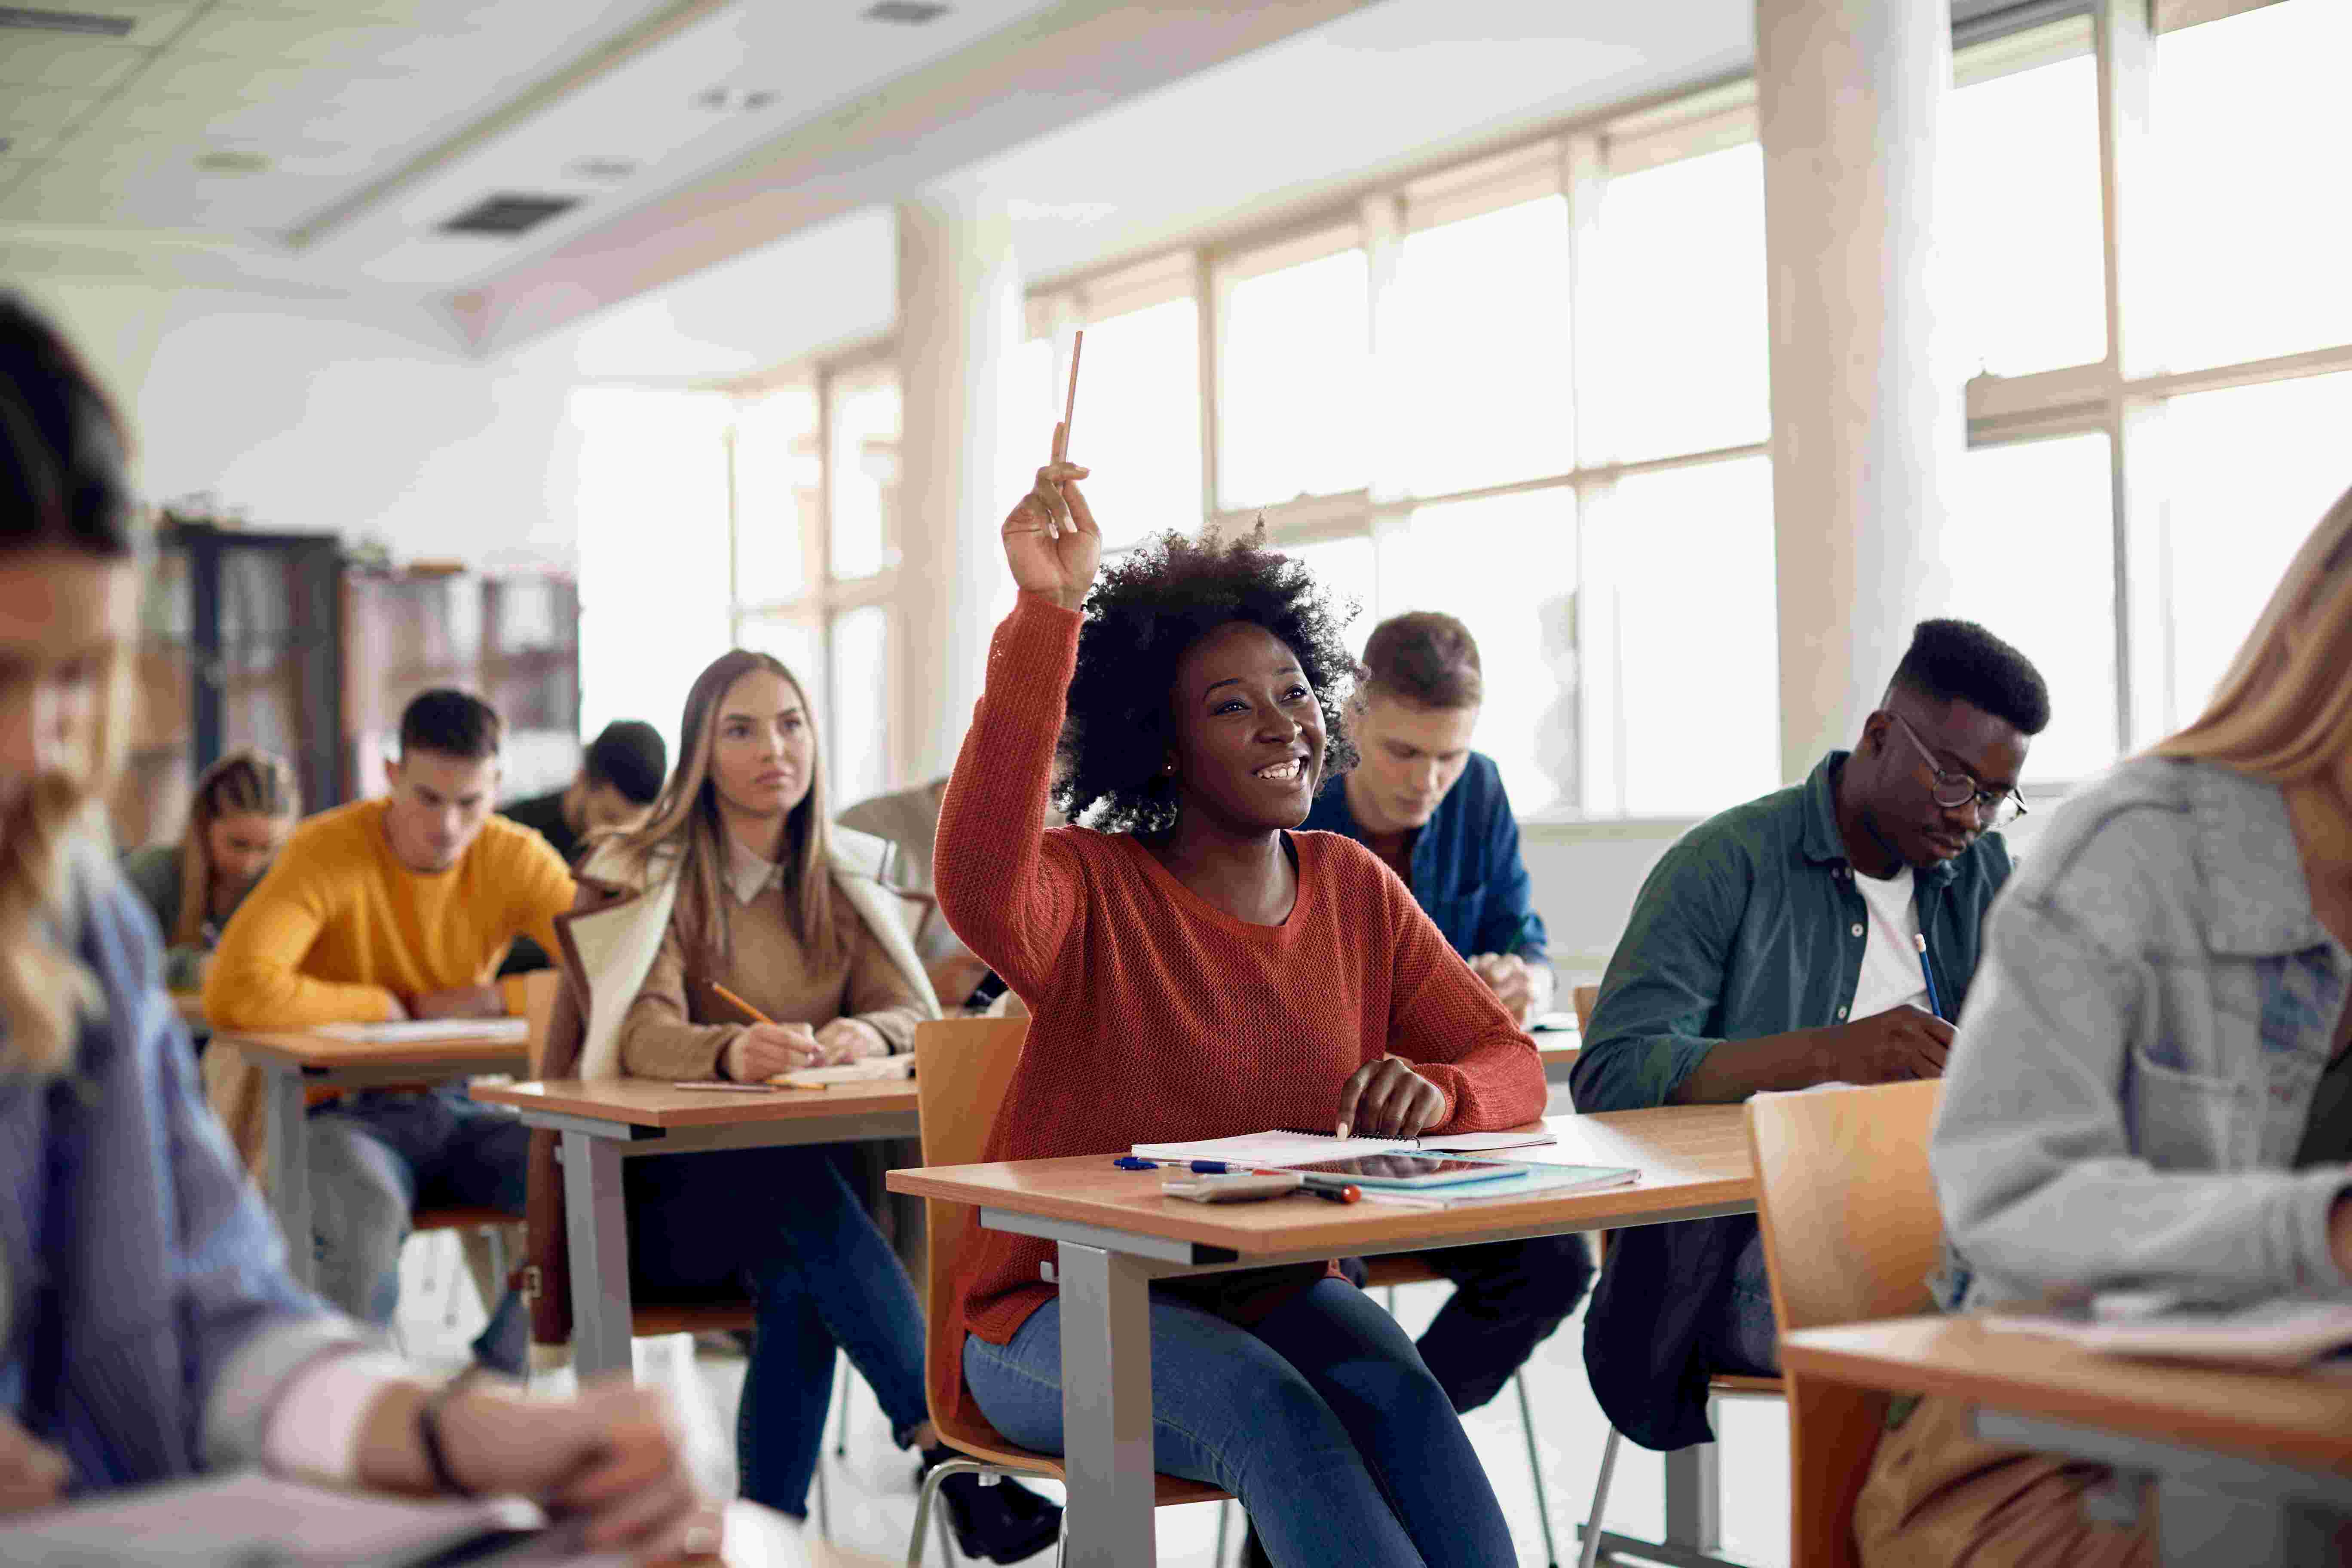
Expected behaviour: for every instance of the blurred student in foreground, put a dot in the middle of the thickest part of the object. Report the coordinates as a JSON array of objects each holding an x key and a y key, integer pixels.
[
  {"x": 243, "y": 811},
  {"x": 2151, "y": 1090},
  {"x": 151, "y": 1329}
]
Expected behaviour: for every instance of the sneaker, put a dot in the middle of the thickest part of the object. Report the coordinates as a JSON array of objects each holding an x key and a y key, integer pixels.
[{"x": 1005, "y": 1522}]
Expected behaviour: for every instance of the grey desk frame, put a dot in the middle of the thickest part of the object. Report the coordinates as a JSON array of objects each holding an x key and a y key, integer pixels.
[
  {"x": 596, "y": 1209},
  {"x": 1104, "y": 1275}
]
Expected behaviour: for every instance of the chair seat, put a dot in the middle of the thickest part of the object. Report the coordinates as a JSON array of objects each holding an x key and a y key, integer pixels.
[
  {"x": 1735, "y": 1384},
  {"x": 980, "y": 1441},
  {"x": 460, "y": 1218},
  {"x": 649, "y": 1320},
  {"x": 1398, "y": 1268}
]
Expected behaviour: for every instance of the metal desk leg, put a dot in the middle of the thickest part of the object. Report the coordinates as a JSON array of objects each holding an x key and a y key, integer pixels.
[
  {"x": 1106, "y": 1406},
  {"x": 596, "y": 1225},
  {"x": 1695, "y": 1498},
  {"x": 289, "y": 1169}
]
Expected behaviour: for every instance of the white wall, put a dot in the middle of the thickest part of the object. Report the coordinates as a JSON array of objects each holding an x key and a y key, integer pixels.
[{"x": 312, "y": 416}]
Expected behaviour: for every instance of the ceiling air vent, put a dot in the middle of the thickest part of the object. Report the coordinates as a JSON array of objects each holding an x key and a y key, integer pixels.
[
  {"x": 509, "y": 214},
  {"x": 906, "y": 13},
  {"x": 87, "y": 24}
]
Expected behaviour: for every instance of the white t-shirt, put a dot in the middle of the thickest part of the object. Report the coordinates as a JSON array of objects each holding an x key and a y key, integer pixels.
[{"x": 1891, "y": 975}]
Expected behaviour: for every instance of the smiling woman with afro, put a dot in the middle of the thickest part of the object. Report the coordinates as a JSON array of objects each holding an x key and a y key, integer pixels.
[
  {"x": 1147, "y": 608},
  {"x": 1196, "y": 967}
]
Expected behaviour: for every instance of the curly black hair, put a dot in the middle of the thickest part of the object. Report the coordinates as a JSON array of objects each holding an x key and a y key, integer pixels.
[
  {"x": 1146, "y": 609},
  {"x": 1950, "y": 659}
]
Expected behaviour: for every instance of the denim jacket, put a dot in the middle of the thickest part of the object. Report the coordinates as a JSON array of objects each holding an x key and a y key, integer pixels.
[
  {"x": 149, "y": 1324},
  {"x": 2136, "y": 1068}
]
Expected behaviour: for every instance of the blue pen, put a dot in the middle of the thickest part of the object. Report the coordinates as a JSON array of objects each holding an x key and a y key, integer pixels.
[
  {"x": 1934, "y": 1002},
  {"x": 1129, "y": 1162}
]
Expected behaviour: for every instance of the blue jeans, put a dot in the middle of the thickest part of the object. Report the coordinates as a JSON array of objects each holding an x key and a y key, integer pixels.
[
  {"x": 1746, "y": 1339},
  {"x": 1508, "y": 1298},
  {"x": 376, "y": 1156},
  {"x": 784, "y": 1224},
  {"x": 1322, "y": 1419}
]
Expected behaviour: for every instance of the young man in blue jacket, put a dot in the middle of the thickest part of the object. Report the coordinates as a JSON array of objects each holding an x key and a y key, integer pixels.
[
  {"x": 1433, "y": 809},
  {"x": 1780, "y": 945}
]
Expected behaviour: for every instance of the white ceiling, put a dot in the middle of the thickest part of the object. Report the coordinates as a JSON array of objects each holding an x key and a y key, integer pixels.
[{"x": 744, "y": 240}]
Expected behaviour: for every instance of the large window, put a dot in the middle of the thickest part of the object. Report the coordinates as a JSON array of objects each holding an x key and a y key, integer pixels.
[{"x": 1292, "y": 384}]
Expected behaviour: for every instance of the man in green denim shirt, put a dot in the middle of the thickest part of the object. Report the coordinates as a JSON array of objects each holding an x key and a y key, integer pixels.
[{"x": 1777, "y": 946}]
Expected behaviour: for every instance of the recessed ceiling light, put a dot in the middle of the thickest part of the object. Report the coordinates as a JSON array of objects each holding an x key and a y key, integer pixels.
[
  {"x": 609, "y": 171},
  {"x": 906, "y": 13},
  {"x": 734, "y": 99},
  {"x": 233, "y": 162},
  {"x": 86, "y": 22}
]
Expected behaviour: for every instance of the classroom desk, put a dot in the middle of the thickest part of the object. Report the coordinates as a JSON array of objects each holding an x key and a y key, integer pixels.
[
  {"x": 1116, "y": 1235},
  {"x": 607, "y": 1121},
  {"x": 2243, "y": 1460},
  {"x": 294, "y": 1063}
]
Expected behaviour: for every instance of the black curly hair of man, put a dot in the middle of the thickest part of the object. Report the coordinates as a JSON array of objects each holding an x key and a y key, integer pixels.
[{"x": 1147, "y": 608}]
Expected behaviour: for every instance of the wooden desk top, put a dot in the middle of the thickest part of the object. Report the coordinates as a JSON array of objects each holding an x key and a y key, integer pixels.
[
  {"x": 1556, "y": 1055},
  {"x": 2302, "y": 1419},
  {"x": 325, "y": 1053},
  {"x": 1690, "y": 1156},
  {"x": 645, "y": 1103}
]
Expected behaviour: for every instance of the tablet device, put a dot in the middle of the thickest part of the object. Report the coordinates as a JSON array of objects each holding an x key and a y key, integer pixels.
[{"x": 1409, "y": 1170}]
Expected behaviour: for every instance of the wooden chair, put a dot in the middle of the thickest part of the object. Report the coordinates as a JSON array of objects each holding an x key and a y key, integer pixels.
[
  {"x": 962, "y": 1066},
  {"x": 1850, "y": 1234},
  {"x": 1582, "y": 1001},
  {"x": 483, "y": 1233},
  {"x": 1405, "y": 1268}
]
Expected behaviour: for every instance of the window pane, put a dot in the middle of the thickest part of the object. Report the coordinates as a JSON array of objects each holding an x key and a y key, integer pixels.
[
  {"x": 865, "y": 477},
  {"x": 2022, "y": 234},
  {"x": 861, "y": 704},
  {"x": 1690, "y": 579},
  {"x": 1481, "y": 362},
  {"x": 1506, "y": 567},
  {"x": 1683, "y": 250},
  {"x": 2252, "y": 470},
  {"x": 2061, "y": 610},
  {"x": 1138, "y": 421},
  {"x": 650, "y": 461},
  {"x": 1290, "y": 391},
  {"x": 795, "y": 642},
  {"x": 778, "y": 471},
  {"x": 2249, "y": 169},
  {"x": 1348, "y": 569}
]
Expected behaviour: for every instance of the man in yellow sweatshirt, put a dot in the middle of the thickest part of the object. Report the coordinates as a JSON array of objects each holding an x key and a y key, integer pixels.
[{"x": 385, "y": 909}]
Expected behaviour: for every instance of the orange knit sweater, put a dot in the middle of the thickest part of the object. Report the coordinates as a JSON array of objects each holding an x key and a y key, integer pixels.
[{"x": 1158, "y": 1016}]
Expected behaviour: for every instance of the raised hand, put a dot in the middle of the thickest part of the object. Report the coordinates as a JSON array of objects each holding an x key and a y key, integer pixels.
[{"x": 1050, "y": 538}]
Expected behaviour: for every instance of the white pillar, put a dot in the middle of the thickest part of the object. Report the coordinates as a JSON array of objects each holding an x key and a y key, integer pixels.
[
  {"x": 1867, "y": 424},
  {"x": 959, "y": 329}
]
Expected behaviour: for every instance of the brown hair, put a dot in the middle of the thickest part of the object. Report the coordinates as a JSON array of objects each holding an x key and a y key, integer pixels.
[
  {"x": 245, "y": 781},
  {"x": 2283, "y": 710},
  {"x": 685, "y": 823},
  {"x": 1427, "y": 657},
  {"x": 62, "y": 486}
]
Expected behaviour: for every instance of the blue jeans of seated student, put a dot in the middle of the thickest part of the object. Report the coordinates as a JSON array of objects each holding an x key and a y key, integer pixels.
[
  {"x": 786, "y": 1224},
  {"x": 378, "y": 1155},
  {"x": 1746, "y": 1339},
  {"x": 1322, "y": 1419}
]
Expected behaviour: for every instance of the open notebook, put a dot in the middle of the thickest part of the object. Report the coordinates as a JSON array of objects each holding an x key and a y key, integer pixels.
[
  {"x": 2271, "y": 1335},
  {"x": 1282, "y": 1146},
  {"x": 426, "y": 1030}
]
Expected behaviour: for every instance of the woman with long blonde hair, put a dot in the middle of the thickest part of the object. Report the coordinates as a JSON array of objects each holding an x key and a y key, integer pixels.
[
  {"x": 736, "y": 936},
  {"x": 147, "y": 1322},
  {"x": 2151, "y": 1088},
  {"x": 244, "y": 808}
]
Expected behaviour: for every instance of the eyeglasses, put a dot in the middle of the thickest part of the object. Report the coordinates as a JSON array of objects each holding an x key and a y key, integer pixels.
[{"x": 1994, "y": 808}]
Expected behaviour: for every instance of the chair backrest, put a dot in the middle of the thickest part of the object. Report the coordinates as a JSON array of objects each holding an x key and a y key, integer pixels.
[
  {"x": 962, "y": 1066},
  {"x": 1582, "y": 1000},
  {"x": 1851, "y": 1232},
  {"x": 539, "y": 989}
]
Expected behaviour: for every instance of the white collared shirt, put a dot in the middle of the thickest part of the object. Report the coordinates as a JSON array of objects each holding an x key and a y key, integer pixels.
[{"x": 749, "y": 873}]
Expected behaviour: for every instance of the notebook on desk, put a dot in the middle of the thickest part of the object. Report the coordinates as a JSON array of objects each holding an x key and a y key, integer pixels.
[{"x": 1286, "y": 1146}]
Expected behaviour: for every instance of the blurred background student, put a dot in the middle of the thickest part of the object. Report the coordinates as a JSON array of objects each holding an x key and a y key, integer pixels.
[
  {"x": 150, "y": 1329},
  {"x": 245, "y": 806}
]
